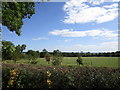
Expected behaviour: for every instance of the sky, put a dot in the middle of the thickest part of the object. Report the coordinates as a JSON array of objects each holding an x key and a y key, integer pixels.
[{"x": 72, "y": 26}]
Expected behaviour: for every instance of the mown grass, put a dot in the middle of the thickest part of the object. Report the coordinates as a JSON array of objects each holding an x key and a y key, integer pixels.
[
  {"x": 93, "y": 61},
  {"x": 87, "y": 61}
]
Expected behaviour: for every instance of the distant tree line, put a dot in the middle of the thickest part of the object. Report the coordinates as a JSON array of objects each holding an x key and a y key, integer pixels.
[
  {"x": 89, "y": 54},
  {"x": 12, "y": 52},
  {"x": 84, "y": 54}
]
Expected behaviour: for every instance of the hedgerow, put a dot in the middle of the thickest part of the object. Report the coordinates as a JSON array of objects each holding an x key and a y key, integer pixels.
[{"x": 61, "y": 77}]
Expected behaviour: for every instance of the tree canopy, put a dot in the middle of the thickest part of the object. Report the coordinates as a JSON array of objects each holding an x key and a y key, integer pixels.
[
  {"x": 32, "y": 54},
  {"x": 13, "y": 14},
  {"x": 7, "y": 49},
  {"x": 10, "y": 51}
]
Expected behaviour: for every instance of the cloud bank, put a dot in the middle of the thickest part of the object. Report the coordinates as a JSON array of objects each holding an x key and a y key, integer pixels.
[
  {"x": 109, "y": 34},
  {"x": 77, "y": 11}
]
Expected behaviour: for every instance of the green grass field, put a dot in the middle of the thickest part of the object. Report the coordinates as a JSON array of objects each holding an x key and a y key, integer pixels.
[
  {"x": 87, "y": 61},
  {"x": 93, "y": 61}
]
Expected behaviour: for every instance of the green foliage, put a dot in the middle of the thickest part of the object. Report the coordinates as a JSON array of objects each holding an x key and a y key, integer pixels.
[
  {"x": 32, "y": 54},
  {"x": 79, "y": 60},
  {"x": 18, "y": 48},
  {"x": 22, "y": 47},
  {"x": 47, "y": 57},
  {"x": 7, "y": 50},
  {"x": 13, "y": 14},
  {"x": 18, "y": 53},
  {"x": 5, "y": 76},
  {"x": 57, "y": 58},
  {"x": 62, "y": 77},
  {"x": 43, "y": 53},
  {"x": 15, "y": 56},
  {"x": 10, "y": 52}
]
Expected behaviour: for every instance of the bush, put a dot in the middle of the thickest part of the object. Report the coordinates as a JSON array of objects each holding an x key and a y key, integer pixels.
[
  {"x": 64, "y": 77},
  {"x": 79, "y": 61},
  {"x": 47, "y": 57},
  {"x": 57, "y": 60}
]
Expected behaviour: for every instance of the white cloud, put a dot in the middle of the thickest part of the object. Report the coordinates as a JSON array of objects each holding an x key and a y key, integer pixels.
[
  {"x": 109, "y": 34},
  {"x": 68, "y": 40},
  {"x": 116, "y": 0},
  {"x": 111, "y": 6},
  {"x": 40, "y": 38},
  {"x": 79, "y": 12},
  {"x": 95, "y": 2},
  {"x": 103, "y": 47}
]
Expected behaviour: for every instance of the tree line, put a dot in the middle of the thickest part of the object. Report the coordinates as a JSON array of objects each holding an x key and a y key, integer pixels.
[
  {"x": 12, "y": 52},
  {"x": 84, "y": 54}
]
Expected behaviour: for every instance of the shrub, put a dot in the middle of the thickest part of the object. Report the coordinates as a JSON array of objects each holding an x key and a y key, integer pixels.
[
  {"x": 64, "y": 77},
  {"x": 79, "y": 61},
  {"x": 47, "y": 57},
  {"x": 57, "y": 60}
]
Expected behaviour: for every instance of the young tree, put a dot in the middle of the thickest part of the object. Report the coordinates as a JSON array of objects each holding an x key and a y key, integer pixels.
[
  {"x": 48, "y": 57},
  {"x": 43, "y": 53},
  {"x": 57, "y": 58},
  {"x": 23, "y": 47},
  {"x": 18, "y": 48},
  {"x": 79, "y": 60},
  {"x": 32, "y": 56}
]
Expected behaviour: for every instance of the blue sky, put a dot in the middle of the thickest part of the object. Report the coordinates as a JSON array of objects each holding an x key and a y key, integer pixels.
[{"x": 70, "y": 26}]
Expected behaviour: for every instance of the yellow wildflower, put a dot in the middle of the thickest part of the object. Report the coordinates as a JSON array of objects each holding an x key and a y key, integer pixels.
[
  {"x": 11, "y": 82},
  {"x": 48, "y": 74},
  {"x": 49, "y": 82},
  {"x": 13, "y": 77}
]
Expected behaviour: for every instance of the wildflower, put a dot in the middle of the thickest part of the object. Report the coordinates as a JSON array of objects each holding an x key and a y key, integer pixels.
[
  {"x": 48, "y": 74},
  {"x": 13, "y": 77},
  {"x": 49, "y": 82},
  {"x": 11, "y": 82}
]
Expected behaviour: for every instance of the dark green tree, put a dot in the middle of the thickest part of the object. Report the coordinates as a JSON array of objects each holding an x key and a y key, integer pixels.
[
  {"x": 15, "y": 56},
  {"x": 13, "y": 14},
  {"x": 43, "y": 53},
  {"x": 79, "y": 60},
  {"x": 18, "y": 48},
  {"x": 23, "y": 47},
  {"x": 7, "y": 50},
  {"x": 57, "y": 58},
  {"x": 19, "y": 51},
  {"x": 32, "y": 54},
  {"x": 48, "y": 57}
]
